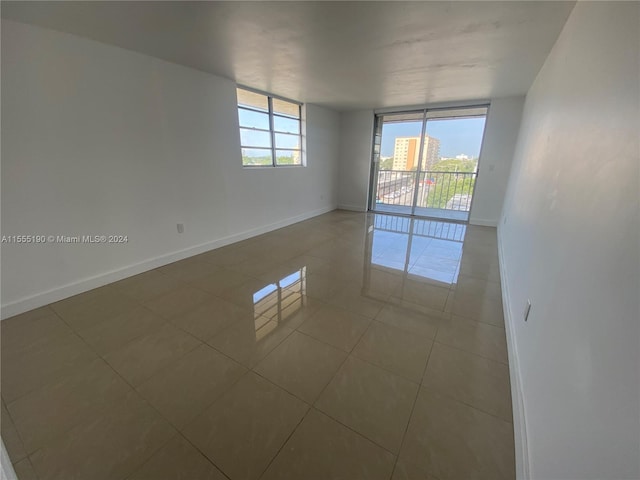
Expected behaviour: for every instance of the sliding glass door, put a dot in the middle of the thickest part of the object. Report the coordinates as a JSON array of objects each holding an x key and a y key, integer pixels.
[
  {"x": 425, "y": 162},
  {"x": 396, "y": 176}
]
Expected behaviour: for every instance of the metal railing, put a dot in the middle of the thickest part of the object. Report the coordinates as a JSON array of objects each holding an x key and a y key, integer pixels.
[
  {"x": 441, "y": 190},
  {"x": 420, "y": 227}
]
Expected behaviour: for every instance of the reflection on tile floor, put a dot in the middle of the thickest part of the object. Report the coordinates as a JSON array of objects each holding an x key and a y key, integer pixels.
[{"x": 365, "y": 346}]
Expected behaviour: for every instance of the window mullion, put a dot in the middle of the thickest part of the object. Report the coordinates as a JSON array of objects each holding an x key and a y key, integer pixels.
[
  {"x": 273, "y": 135},
  {"x": 252, "y": 128}
]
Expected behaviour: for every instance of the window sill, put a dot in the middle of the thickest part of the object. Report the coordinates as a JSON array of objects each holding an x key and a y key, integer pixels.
[{"x": 271, "y": 167}]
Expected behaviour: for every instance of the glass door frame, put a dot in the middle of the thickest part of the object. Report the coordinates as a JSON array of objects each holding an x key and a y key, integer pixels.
[{"x": 377, "y": 143}]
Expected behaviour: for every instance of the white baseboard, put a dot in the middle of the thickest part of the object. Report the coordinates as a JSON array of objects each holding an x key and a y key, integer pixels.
[
  {"x": 44, "y": 298},
  {"x": 483, "y": 223},
  {"x": 352, "y": 208},
  {"x": 517, "y": 398}
]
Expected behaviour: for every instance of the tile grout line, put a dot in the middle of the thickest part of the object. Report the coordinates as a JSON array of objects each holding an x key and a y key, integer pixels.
[
  {"x": 73, "y": 332},
  {"x": 286, "y": 440},
  {"x": 352, "y": 430},
  {"x": 465, "y": 317},
  {"x": 13, "y": 424},
  {"x": 457, "y": 399},
  {"x": 415, "y": 401},
  {"x": 180, "y": 432},
  {"x": 6, "y": 404},
  {"x": 133, "y": 390},
  {"x": 160, "y": 415},
  {"x": 439, "y": 392},
  {"x": 251, "y": 369},
  {"x": 312, "y": 405},
  {"x": 472, "y": 353}
]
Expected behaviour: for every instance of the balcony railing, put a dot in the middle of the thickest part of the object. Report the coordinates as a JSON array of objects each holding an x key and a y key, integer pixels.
[{"x": 440, "y": 190}]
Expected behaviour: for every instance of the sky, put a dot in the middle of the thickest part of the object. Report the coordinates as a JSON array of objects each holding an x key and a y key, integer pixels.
[{"x": 459, "y": 136}]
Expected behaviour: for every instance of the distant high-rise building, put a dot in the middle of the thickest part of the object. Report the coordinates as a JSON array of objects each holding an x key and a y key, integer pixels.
[{"x": 407, "y": 150}]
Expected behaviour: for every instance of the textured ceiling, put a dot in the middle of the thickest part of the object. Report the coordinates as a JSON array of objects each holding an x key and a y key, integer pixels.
[{"x": 344, "y": 55}]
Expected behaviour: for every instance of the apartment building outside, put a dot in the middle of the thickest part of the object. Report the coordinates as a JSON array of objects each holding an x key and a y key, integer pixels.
[{"x": 406, "y": 152}]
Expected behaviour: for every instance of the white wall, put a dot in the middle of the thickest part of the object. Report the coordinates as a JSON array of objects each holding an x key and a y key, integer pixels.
[
  {"x": 356, "y": 142},
  {"x": 101, "y": 140},
  {"x": 571, "y": 244},
  {"x": 500, "y": 135}
]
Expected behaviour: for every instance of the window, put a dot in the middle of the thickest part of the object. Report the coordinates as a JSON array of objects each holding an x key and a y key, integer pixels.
[{"x": 270, "y": 130}]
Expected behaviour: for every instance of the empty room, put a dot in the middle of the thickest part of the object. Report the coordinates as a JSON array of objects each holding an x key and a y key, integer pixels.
[{"x": 375, "y": 240}]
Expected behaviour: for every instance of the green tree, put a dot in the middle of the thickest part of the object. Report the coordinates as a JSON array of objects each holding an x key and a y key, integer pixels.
[
  {"x": 284, "y": 161},
  {"x": 386, "y": 164},
  {"x": 441, "y": 187},
  {"x": 447, "y": 178},
  {"x": 266, "y": 160},
  {"x": 454, "y": 165}
]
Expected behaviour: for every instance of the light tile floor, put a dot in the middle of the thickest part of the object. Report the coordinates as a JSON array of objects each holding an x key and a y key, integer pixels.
[{"x": 349, "y": 346}]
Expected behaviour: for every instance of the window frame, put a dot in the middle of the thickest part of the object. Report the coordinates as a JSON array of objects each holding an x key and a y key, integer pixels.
[{"x": 272, "y": 131}]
